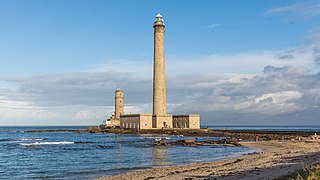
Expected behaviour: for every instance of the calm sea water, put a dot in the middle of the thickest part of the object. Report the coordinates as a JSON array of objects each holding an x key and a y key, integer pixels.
[{"x": 25, "y": 155}]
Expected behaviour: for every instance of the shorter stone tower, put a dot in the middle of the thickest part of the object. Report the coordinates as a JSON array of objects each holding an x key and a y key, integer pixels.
[{"x": 119, "y": 103}]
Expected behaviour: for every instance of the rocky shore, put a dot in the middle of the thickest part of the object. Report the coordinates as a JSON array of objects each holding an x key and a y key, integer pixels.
[
  {"x": 193, "y": 143},
  {"x": 234, "y": 134}
]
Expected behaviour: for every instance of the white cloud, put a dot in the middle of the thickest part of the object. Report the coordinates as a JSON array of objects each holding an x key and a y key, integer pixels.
[
  {"x": 67, "y": 115},
  {"x": 279, "y": 97},
  {"x": 305, "y": 10},
  {"x": 244, "y": 63},
  {"x": 284, "y": 91},
  {"x": 85, "y": 114},
  {"x": 210, "y": 26},
  {"x": 277, "y": 103}
]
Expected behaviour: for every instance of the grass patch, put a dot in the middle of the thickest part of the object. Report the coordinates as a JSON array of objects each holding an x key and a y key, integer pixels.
[{"x": 307, "y": 173}]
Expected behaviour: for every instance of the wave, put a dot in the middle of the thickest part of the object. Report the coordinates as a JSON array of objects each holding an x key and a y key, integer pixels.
[
  {"x": 46, "y": 143},
  {"x": 21, "y": 139},
  {"x": 2, "y": 140},
  {"x": 19, "y": 131},
  {"x": 84, "y": 142}
]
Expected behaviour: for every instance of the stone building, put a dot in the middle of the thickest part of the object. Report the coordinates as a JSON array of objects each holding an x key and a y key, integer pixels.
[
  {"x": 159, "y": 119},
  {"x": 191, "y": 121},
  {"x": 136, "y": 121}
]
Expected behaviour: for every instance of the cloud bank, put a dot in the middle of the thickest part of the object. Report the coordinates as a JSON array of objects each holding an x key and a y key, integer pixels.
[{"x": 272, "y": 84}]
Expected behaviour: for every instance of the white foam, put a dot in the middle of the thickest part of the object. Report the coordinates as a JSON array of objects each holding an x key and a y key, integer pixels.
[
  {"x": 18, "y": 131},
  {"x": 46, "y": 143}
]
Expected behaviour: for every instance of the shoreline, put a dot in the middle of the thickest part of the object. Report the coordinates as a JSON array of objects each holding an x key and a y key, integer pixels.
[
  {"x": 238, "y": 134},
  {"x": 277, "y": 159},
  {"x": 283, "y": 152}
]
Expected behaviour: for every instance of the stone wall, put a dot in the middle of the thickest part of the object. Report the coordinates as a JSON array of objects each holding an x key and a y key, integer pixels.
[
  {"x": 162, "y": 121},
  {"x": 194, "y": 121},
  {"x": 180, "y": 121},
  {"x": 191, "y": 121},
  {"x": 136, "y": 121},
  {"x": 148, "y": 121},
  {"x": 130, "y": 121},
  {"x": 145, "y": 121}
]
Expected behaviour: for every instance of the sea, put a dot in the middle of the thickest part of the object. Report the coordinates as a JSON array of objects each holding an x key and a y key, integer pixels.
[{"x": 67, "y": 155}]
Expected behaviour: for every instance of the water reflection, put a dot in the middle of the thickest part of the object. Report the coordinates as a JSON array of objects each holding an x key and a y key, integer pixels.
[{"x": 159, "y": 157}]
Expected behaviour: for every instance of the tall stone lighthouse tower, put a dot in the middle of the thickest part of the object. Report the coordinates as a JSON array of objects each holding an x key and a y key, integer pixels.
[
  {"x": 159, "y": 119},
  {"x": 159, "y": 71}
]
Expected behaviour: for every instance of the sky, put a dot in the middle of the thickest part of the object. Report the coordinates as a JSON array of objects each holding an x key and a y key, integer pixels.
[{"x": 234, "y": 62}]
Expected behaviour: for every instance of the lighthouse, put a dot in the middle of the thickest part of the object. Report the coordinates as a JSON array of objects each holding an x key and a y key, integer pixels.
[
  {"x": 159, "y": 69},
  {"x": 159, "y": 119}
]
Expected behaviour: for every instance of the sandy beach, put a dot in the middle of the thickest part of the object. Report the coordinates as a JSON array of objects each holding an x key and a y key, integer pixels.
[{"x": 276, "y": 159}]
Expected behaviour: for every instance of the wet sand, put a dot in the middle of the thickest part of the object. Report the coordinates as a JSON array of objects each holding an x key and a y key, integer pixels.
[{"x": 278, "y": 158}]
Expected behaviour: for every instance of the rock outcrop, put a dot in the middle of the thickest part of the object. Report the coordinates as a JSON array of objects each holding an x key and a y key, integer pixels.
[{"x": 194, "y": 143}]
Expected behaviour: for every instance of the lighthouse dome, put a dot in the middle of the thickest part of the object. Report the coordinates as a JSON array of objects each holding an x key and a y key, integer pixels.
[
  {"x": 159, "y": 19},
  {"x": 158, "y": 15}
]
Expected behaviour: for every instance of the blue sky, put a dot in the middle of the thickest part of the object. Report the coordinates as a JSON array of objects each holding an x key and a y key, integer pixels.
[{"x": 60, "y": 60}]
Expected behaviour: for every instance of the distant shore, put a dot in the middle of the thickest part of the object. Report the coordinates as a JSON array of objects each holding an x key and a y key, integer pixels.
[
  {"x": 237, "y": 134},
  {"x": 279, "y": 158}
]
